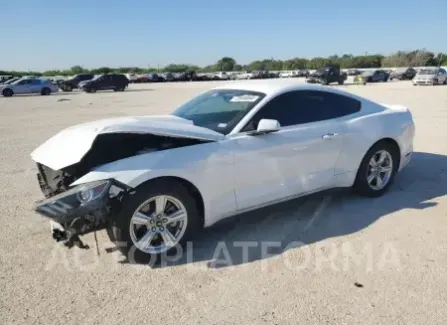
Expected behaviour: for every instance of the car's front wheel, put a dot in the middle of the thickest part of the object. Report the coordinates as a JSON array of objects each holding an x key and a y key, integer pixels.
[
  {"x": 7, "y": 92},
  {"x": 159, "y": 218},
  {"x": 377, "y": 170}
]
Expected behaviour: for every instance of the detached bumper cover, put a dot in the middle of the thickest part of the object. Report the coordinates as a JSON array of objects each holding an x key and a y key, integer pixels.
[{"x": 84, "y": 201}]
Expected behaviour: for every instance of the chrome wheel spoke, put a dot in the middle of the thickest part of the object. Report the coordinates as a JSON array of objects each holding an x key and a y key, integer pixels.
[
  {"x": 141, "y": 219},
  {"x": 382, "y": 156},
  {"x": 175, "y": 217},
  {"x": 380, "y": 170},
  {"x": 160, "y": 204},
  {"x": 379, "y": 182},
  {"x": 145, "y": 242},
  {"x": 168, "y": 238}
]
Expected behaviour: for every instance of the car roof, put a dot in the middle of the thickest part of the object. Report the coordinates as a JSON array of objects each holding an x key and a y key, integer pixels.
[{"x": 272, "y": 88}]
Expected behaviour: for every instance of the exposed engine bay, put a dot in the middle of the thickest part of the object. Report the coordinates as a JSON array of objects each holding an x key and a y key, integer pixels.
[
  {"x": 106, "y": 148},
  {"x": 81, "y": 209}
]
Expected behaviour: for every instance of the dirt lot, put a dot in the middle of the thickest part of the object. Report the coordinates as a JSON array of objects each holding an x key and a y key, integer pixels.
[{"x": 361, "y": 261}]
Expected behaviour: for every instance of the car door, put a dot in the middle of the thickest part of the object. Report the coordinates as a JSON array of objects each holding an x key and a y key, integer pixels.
[
  {"x": 300, "y": 158},
  {"x": 35, "y": 86},
  {"x": 23, "y": 87}
]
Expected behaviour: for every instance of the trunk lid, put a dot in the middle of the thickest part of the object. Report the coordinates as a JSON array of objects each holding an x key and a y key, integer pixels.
[{"x": 69, "y": 146}]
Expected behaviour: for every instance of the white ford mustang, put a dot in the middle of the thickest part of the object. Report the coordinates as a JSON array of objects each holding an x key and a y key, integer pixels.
[{"x": 154, "y": 181}]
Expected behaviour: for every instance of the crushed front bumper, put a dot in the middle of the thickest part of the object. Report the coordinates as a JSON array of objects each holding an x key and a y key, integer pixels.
[{"x": 82, "y": 209}]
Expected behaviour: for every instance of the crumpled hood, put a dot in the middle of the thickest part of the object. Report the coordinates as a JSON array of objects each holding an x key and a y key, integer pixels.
[{"x": 69, "y": 146}]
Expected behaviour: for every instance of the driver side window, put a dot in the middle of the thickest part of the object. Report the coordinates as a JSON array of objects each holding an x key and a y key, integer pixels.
[{"x": 304, "y": 106}]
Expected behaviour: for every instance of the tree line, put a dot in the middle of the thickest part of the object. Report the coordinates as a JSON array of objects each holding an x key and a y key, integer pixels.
[{"x": 414, "y": 58}]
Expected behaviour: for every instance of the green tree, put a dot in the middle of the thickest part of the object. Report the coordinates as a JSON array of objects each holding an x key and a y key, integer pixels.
[{"x": 226, "y": 64}]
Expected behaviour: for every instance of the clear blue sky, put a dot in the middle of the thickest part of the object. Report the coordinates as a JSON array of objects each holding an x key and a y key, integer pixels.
[{"x": 46, "y": 34}]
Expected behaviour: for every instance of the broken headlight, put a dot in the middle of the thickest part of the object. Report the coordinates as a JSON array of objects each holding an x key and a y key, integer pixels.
[{"x": 78, "y": 201}]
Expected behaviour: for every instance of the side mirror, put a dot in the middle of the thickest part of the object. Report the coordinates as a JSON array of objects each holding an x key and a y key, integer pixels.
[{"x": 266, "y": 126}]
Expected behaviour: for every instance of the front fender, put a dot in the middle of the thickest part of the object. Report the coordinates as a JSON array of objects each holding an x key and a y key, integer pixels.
[{"x": 209, "y": 167}]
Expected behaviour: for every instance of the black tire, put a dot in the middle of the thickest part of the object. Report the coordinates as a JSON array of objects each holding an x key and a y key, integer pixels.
[
  {"x": 68, "y": 88},
  {"x": 45, "y": 91},
  {"x": 361, "y": 185},
  {"x": 341, "y": 82},
  {"x": 119, "y": 231},
  {"x": 7, "y": 92}
]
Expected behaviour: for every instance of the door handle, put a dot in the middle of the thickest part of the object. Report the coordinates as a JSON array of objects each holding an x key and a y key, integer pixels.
[{"x": 329, "y": 136}]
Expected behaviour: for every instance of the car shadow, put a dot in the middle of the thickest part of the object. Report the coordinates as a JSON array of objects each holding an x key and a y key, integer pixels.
[
  {"x": 274, "y": 230},
  {"x": 138, "y": 89}
]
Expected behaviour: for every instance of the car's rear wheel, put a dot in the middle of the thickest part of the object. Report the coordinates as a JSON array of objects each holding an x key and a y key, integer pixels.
[
  {"x": 377, "y": 170},
  {"x": 158, "y": 219},
  {"x": 68, "y": 88},
  {"x": 7, "y": 92},
  {"x": 45, "y": 91}
]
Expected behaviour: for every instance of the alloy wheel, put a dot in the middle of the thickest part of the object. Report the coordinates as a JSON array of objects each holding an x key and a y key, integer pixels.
[
  {"x": 380, "y": 169},
  {"x": 158, "y": 224}
]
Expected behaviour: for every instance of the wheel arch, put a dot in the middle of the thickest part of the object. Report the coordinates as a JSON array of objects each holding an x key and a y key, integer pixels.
[
  {"x": 192, "y": 189},
  {"x": 390, "y": 141}
]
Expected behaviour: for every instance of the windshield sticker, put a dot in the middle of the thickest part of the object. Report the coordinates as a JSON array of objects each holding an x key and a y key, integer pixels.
[
  {"x": 222, "y": 125},
  {"x": 244, "y": 98}
]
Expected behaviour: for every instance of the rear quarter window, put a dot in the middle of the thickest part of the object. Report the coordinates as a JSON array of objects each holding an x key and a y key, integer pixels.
[{"x": 342, "y": 105}]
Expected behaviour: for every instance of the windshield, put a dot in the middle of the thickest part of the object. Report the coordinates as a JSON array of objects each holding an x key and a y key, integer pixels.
[
  {"x": 428, "y": 71},
  {"x": 219, "y": 110},
  {"x": 96, "y": 77}
]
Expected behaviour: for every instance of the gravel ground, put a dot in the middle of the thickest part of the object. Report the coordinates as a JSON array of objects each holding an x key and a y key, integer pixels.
[{"x": 360, "y": 261}]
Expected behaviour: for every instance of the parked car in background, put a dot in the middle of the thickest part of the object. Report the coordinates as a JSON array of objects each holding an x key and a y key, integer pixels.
[
  {"x": 353, "y": 72},
  {"x": 4, "y": 78},
  {"x": 168, "y": 76},
  {"x": 112, "y": 81},
  {"x": 430, "y": 76},
  {"x": 303, "y": 73},
  {"x": 285, "y": 74},
  {"x": 327, "y": 75},
  {"x": 73, "y": 82},
  {"x": 371, "y": 76},
  {"x": 28, "y": 86},
  {"x": 132, "y": 77},
  {"x": 243, "y": 75},
  {"x": 9, "y": 81},
  {"x": 154, "y": 77},
  {"x": 403, "y": 74}
]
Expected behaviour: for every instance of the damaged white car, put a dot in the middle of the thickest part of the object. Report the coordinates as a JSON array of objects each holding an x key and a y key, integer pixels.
[{"x": 154, "y": 181}]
